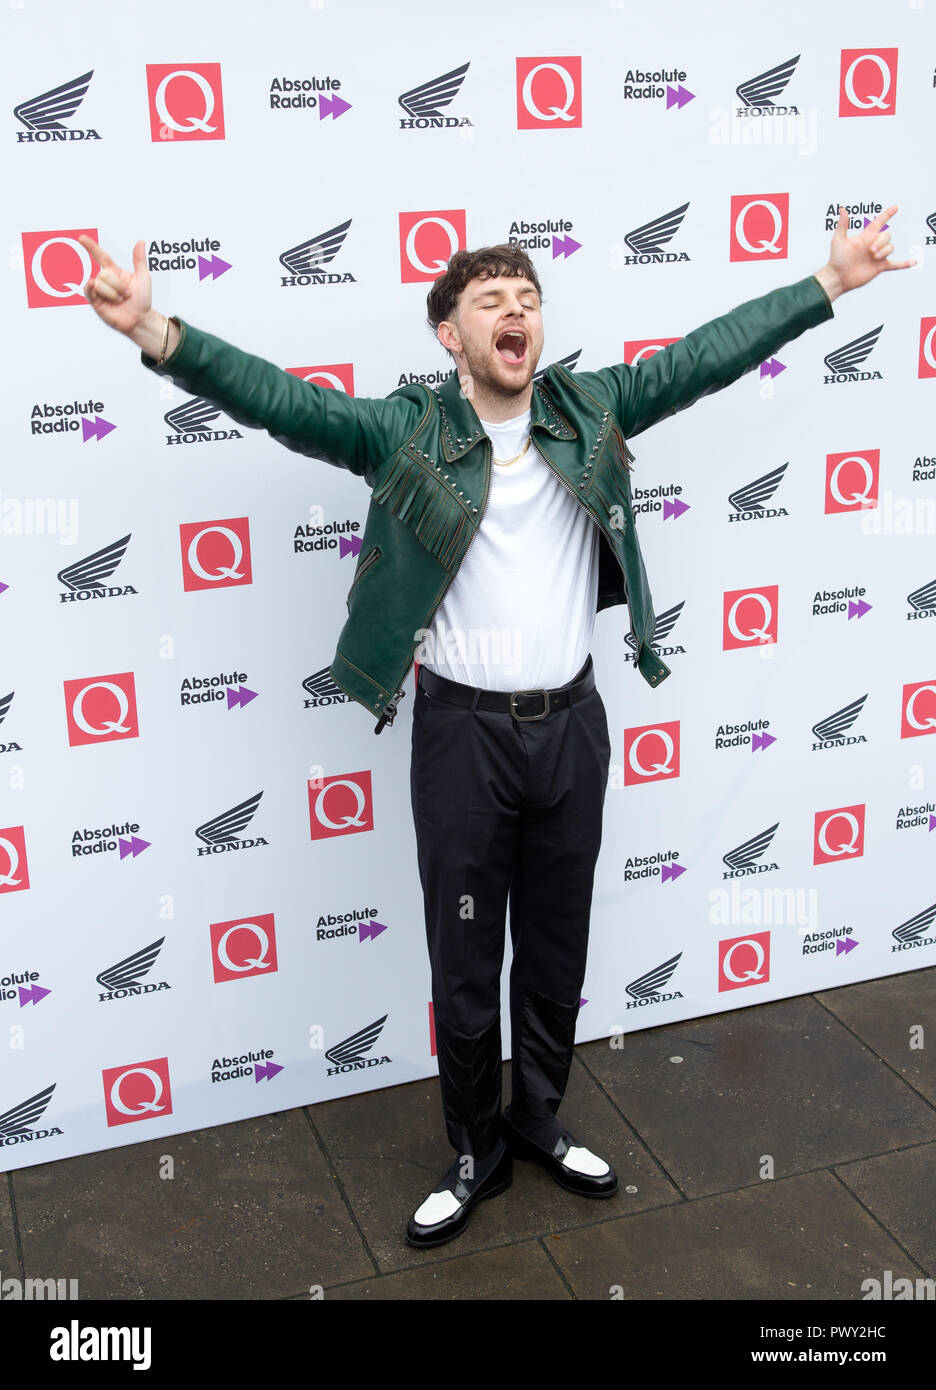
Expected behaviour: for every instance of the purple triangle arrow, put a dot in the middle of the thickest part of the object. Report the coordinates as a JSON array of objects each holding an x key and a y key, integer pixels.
[
  {"x": 133, "y": 846},
  {"x": 759, "y": 741},
  {"x": 844, "y": 945},
  {"x": 95, "y": 429},
  {"x": 859, "y": 609},
  {"x": 565, "y": 246},
  {"x": 334, "y": 106},
  {"x": 582, "y": 1001},
  {"x": 263, "y": 1071},
  {"x": 883, "y": 227},
  {"x": 678, "y": 96},
  {"x": 239, "y": 695},
  {"x": 932, "y": 824},
  {"x": 671, "y": 871},
  {"x": 674, "y": 508},
  {"x": 32, "y": 994},
  {"x": 772, "y": 367},
  {"x": 213, "y": 267},
  {"x": 348, "y": 547},
  {"x": 3, "y": 586},
  {"x": 370, "y": 929}
]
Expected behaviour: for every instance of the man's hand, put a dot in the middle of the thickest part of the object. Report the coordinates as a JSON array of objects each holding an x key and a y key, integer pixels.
[
  {"x": 124, "y": 300},
  {"x": 854, "y": 260}
]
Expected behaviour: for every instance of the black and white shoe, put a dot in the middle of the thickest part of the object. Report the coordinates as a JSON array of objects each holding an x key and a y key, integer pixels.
[
  {"x": 444, "y": 1214},
  {"x": 572, "y": 1165}
]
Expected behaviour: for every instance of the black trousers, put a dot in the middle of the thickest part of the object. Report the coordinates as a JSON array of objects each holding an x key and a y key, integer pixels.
[{"x": 502, "y": 808}]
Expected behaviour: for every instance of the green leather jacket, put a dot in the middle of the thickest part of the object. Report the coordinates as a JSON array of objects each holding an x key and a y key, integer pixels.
[{"x": 427, "y": 460}]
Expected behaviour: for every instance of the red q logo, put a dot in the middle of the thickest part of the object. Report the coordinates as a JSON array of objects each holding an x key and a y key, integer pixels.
[
  {"x": 918, "y": 709},
  {"x": 651, "y": 753},
  {"x": 759, "y": 226},
  {"x": 56, "y": 266},
  {"x": 185, "y": 101},
  {"x": 549, "y": 93},
  {"x": 838, "y": 834},
  {"x": 243, "y": 947},
  {"x": 137, "y": 1092},
  {"x": 341, "y": 805},
  {"x": 14, "y": 871},
  {"x": 743, "y": 961},
  {"x": 868, "y": 84},
  {"x": 852, "y": 481},
  {"x": 428, "y": 241},
  {"x": 750, "y": 617},
  {"x": 101, "y": 709},
  {"x": 637, "y": 349},
  {"x": 927, "y": 347},
  {"x": 339, "y": 376},
  {"x": 215, "y": 554}
]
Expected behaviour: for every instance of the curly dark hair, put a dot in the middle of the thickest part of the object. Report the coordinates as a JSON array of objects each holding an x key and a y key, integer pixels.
[{"x": 484, "y": 264}]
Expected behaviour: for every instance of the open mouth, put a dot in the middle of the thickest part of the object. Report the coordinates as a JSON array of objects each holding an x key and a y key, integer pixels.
[{"x": 511, "y": 346}]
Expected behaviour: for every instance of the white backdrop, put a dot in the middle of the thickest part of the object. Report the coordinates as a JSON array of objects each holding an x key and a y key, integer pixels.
[{"x": 156, "y": 1041}]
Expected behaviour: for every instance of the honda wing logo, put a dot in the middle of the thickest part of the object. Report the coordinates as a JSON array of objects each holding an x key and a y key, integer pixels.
[
  {"x": 192, "y": 417},
  {"x": 130, "y": 971},
  {"x": 653, "y": 983},
  {"x": 652, "y": 237},
  {"x": 761, "y": 90},
  {"x": 90, "y": 572},
  {"x": 665, "y": 622},
  {"x": 845, "y": 361},
  {"x": 742, "y": 860},
  {"x": 5, "y": 702},
  {"x": 922, "y": 599},
  {"x": 570, "y": 362},
  {"x": 425, "y": 101},
  {"x": 351, "y": 1054},
  {"x": 835, "y": 726},
  {"x": 319, "y": 250},
  {"x": 21, "y": 1118},
  {"x": 222, "y": 832},
  {"x": 50, "y": 109},
  {"x": 913, "y": 929},
  {"x": 752, "y": 496}
]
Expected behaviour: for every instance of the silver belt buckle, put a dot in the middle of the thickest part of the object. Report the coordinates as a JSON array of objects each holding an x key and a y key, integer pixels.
[{"x": 527, "y": 717}]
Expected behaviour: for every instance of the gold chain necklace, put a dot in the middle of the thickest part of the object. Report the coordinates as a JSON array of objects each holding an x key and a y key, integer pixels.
[{"x": 516, "y": 458}]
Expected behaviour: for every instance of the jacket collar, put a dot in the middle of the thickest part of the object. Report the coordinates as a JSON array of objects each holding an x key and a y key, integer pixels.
[{"x": 462, "y": 430}]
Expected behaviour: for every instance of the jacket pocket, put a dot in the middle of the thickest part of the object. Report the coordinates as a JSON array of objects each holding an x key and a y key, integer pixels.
[{"x": 372, "y": 556}]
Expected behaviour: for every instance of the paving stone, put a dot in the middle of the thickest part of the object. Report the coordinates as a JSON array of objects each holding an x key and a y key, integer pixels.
[
  {"x": 898, "y": 1189},
  {"x": 886, "y": 1014},
  {"x": 252, "y": 1212},
  {"x": 782, "y": 1079},
  {"x": 800, "y": 1238},
  {"x": 518, "y": 1272},
  {"x": 389, "y": 1155},
  {"x": 9, "y": 1265}
]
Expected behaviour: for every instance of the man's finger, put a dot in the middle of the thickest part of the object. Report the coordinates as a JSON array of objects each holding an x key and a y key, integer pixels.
[
  {"x": 898, "y": 265},
  {"x": 881, "y": 218},
  {"x": 98, "y": 252},
  {"x": 841, "y": 226},
  {"x": 139, "y": 257},
  {"x": 106, "y": 291}
]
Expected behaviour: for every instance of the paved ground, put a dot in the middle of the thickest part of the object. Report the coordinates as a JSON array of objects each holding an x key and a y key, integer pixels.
[{"x": 827, "y": 1086}]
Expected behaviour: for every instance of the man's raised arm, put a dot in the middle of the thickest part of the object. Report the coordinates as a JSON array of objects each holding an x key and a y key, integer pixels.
[
  {"x": 713, "y": 356},
  {"x": 353, "y": 433}
]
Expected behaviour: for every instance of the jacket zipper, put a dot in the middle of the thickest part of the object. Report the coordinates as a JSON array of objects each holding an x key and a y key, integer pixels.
[
  {"x": 365, "y": 564},
  {"x": 392, "y": 704}
]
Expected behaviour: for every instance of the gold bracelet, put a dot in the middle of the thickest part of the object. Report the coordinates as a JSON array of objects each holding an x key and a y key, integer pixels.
[{"x": 165, "y": 343}]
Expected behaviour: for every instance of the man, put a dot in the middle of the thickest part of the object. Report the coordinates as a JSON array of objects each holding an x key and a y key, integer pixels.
[{"x": 478, "y": 529}]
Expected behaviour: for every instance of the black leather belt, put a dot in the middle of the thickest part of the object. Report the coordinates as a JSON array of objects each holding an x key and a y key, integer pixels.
[{"x": 522, "y": 704}]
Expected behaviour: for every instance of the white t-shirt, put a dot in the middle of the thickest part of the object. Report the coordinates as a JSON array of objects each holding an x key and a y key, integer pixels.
[{"x": 520, "y": 612}]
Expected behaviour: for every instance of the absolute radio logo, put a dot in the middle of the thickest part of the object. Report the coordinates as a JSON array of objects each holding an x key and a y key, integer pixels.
[
  {"x": 322, "y": 689},
  {"x": 358, "y": 922},
  {"x": 921, "y": 817},
  {"x": 650, "y": 988},
  {"x": 750, "y": 616},
  {"x": 637, "y": 350},
  {"x": 661, "y": 864},
  {"x": 305, "y": 262},
  {"x": 185, "y": 101},
  {"x": 663, "y": 626},
  {"x": 425, "y": 105},
  {"x": 298, "y": 94},
  {"x": 68, "y": 417},
  {"x": 760, "y": 226},
  {"x": 834, "y": 731},
  {"x": 924, "y": 468},
  {"x": 651, "y": 753},
  {"x": 108, "y": 839},
  {"x": 101, "y": 709},
  {"x": 748, "y": 502},
  {"x": 191, "y": 253},
  {"x": 257, "y": 1062},
  {"x": 140, "y": 1091},
  {"x": 226, "y": 687},
  {"x": 845, "y": 362},
  {"x": 351, "y": 1053},
  {"x": 125, "y": 979},
  {"x": 44, "y": 116},
  {"x": 222, "y": 832},
  {"x": 85, "y": 579},
  {"x": 14, "y": 870},
  {"x": 340, "y": 805},
  {"x": 549, "y": 93},
  {"x": 56, "y": 266},
  {"x": 243, "y": 947},
  {"x": 215, "y": 554},
  {"x": 191, "y": 423},
  {"x": 918, "y": 709},
  {"x": 649, "y": 243},
  {"x": 21, "y": 987},
  {"x": 663, "y": 497},
  {"x": 916, "y": 931},
  {"x": 751, "y": 733},
  {"x": 549, "y": 235},
  {"x": 428, "y": 241},
  {"x": 922, "y": 603},
  {"x": 18, "y": 1124},
  {"x": 7, "y": 744},
  {"x": 744, "y": 859},
  {"x": 655, "y": 84},
  {"x": 849, "y": 600},
  {"x": 331, "y": 535},
  {"x": 868, "y": 82},
  {"x": 758, "y": 94},
  {"x": 744, "y": 961},
  {"x": 838, "y": 834}
]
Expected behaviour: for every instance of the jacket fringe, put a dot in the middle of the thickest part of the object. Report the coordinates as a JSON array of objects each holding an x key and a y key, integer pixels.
[{"x": 414, "y": 494}]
